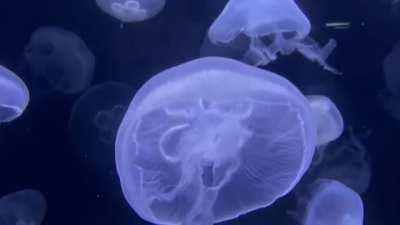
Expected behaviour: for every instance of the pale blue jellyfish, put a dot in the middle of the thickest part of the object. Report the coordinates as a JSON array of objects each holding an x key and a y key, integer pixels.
[
  {"x": 26, "y": 207},
  {"x": 212, "y": 139},
  {"x": 131, "y": 10},
  {"x": 328, "y": 118},
  {"x": 333, "y": 203},
  {"x": 262, "y": 29},
  {"x": 14, "y": 95},
  {"x": 61, "y": 59}
]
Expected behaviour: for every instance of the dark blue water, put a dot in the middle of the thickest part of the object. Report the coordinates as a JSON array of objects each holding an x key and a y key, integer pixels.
[{"x": 36, "y": 151}]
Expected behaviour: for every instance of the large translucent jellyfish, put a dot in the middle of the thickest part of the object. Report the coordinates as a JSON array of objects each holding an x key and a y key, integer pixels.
[
  {"x": 26, "y": 207},
  {"x": 212, "y": 139},
  {"x": 328, "y": 118},
  {"x": 93, "y": 125},
  {"x": 332, "y": 203},
  {"x": 61, "y": 59},
  {"x": 131, "y": 10},
  {"x": 262, "y": 29},
  {"x": 14, "y": 95}
]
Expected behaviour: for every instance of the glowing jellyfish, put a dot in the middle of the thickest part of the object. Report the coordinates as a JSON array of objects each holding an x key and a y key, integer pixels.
[
  {"x": 328, "y": 118},
  {"x": 94, "y": 121},
  {"x": 61, "y": 59},
  {"x": 131, "y": 10},
  {"x": 262, "y": 29},
  {"x": 333, "y": 203},
  {"x": 26, "y": 207},
  {"x": 14, "y": 95},
  {"x": 197, "y": 136}
]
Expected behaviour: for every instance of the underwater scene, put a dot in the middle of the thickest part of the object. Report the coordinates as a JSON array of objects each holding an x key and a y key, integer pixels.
[{"x": 200, "y": 112}]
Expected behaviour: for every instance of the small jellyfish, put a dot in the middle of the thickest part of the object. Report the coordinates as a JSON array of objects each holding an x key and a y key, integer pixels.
[
  {"x": 14, "y": 95},
  {"x": 259, "y": 30},
  {"x": 191, "y": 152},
  {"x": 332, "y": 203},
  {"x": 94, "y": 121},
  {"x": 346, "y": 160},
  {"x": 328, "y": 118},
  {"x": 131, "y": 10},
  {"x": 60, "y": 59},
  {"x": 26, "y": 207}
]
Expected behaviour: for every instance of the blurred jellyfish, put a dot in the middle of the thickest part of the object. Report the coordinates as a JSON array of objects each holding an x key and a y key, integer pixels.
[
  {"x": 390, "y": 96},
  {"x": 347, "y": 161},
  {"x": 94, "y": 121},
  {"x": 330, "y": 202},
  {"x": 14, "y": 95},
  {"x": 187, "y": 150},
  {"x": 26, "y": 207},
  {"x": 131, "y": 10},
  {"x": 260, "y": 30},
  {"x": 60, "y": 59},
  {"x": 328, "y": 118}
]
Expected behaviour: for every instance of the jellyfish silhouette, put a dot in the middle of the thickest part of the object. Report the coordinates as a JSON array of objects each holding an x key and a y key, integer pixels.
[
  {"x": 26, "y": 207},
  {"x": 332, "y": 203},
  {"x": 328, "y": 117},
  {"x": 131, "y": 10},
  {"x": 60, "y": 59},
  {"x": 197, "y": 136},
  {"x": 94, "y": 122},
  {"x": 14, "y": 95},
  {"x": 390, "y": 95},
  {"x": 259, "y": 30}
]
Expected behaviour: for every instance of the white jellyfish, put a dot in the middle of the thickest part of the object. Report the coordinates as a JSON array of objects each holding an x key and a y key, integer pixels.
[
  {"x": 212, "y": 139},
  {"x": 14, "y": 95},
  {"x": 131, "y": 10},
  {"x": 261, "y": 29},
  {"x": 328, "y": 118},
  {"x": 26, "y": 207},
  {"x": 330, "y": 202},
  {"x": 61, "y": 59}
]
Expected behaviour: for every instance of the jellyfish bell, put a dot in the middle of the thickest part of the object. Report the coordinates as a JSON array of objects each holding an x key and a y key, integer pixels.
[
  {"x": 14, "y": 95},
  {"x": 271, "y": 27},
  {"x": 26, "y": 207},
  {"x": 328, "y": 118},
  {"x": 330, "y": 202},
  {"x": 187, "y": 150},
  {"x": 60, "y": 60},
  {"x": 131, "y": 10}
]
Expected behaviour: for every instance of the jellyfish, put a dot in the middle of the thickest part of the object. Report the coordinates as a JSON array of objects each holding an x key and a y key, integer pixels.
[
  {"x": 26, "y": 207},
  {"x": 197, "y": 136},
  {"x": 332, "y": 203},
  {"x": 14, "y": 95},
  {"x": 328, "y": 118},
  {"x": 390, "y": 96},
  {"x": 94, "y": 122},
  {"x": 346, "y": 160},
  {"x": 60, "y": 60},
  {"x": 129, "y": 11},
  {"x": 259, "y": 30}
]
